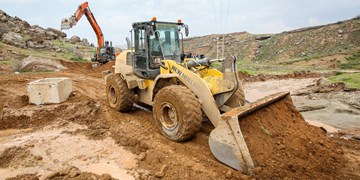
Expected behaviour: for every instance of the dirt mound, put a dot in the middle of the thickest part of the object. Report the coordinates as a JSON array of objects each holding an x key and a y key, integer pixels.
[
  {"x": 12, "y": 156},
  {"x": 77, "y": 109},
  {"x": 86, "y": 67},
  {"x": 24, "y": 177},
  {"x": 295, "y": 75},
  {"x": 72, "y": 173},
  {"x": 283, "y": 145}
]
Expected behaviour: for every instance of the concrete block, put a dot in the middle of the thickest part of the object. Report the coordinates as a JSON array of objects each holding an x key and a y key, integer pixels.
[{"x": 49, "y": 90}]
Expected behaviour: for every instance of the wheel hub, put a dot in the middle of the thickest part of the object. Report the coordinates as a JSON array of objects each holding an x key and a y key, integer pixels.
[{"x": 169, "y": 119}]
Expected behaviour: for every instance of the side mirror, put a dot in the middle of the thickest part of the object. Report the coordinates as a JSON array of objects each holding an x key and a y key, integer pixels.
[
  {"x": 157, "y": 35},
  {"x": 186, "y": 30},
  {"x": 149, "y": 30}
]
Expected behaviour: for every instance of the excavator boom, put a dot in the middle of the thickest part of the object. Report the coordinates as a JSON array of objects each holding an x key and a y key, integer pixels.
[
  {"x": 104, "y": 51},
  {"x": 83, "y": 8}
]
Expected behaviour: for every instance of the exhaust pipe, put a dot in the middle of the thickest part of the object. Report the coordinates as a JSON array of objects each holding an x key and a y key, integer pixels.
[{"x": 128, "y": 43}]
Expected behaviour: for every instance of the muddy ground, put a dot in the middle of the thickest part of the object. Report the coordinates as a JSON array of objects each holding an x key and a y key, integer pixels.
[{"x": 83, "y": 138}]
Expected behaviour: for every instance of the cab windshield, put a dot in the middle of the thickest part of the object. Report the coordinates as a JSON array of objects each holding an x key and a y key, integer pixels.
[{"x": 165, "y": 42}]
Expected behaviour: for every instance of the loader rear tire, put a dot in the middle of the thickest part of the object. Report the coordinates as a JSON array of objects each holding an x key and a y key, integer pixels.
[
  {"x": 119, "y": 96},
  {"x": 177, "y": 112}
]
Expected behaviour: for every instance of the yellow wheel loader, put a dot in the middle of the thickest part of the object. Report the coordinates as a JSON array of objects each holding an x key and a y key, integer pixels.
[{"x": 183, "y": 90}]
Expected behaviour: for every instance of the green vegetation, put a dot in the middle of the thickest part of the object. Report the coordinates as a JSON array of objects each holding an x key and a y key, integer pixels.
[
  {"x": 353, "y": 62},
  {"x": 69, "y": 52},
  {"x": 351, "y": 80}
]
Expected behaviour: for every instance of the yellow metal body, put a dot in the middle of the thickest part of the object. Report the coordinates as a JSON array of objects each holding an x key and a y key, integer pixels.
[{"x": 213, "y": 88}]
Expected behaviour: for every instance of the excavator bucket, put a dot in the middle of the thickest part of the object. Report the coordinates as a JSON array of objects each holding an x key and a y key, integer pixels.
[
  {"x": 67, "y": 23},
  {"x": 226, "y": 141}
]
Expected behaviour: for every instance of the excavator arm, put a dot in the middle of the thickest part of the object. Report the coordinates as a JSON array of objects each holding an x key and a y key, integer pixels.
[{"x": 83, "y": 8}]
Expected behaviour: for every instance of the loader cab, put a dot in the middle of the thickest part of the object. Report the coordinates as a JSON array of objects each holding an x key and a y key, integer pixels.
[{"x": 155, "y": 41}]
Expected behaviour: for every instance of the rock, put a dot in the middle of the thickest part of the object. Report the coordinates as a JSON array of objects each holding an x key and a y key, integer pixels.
[
  {"x": 40, "y": 64},
  {"x": 4, "y": 28},
  {"x": 229, "y": 174},
  {"x": 2, "y": 12},
  {"x": 3, "y": 18},
  {"x": 281, "y": 147},
  {"x": 37, "y": 29},
  {"x": 340, "y": 31},
  {"x": 75, "y": 39},
  {"x": 85, "y": 42},
  {"x": 161, "y": 172},
  {"x": 17, "y": 30},
  {"x": 30, "y": 44},
  {"x": 105, "y": 177},
  {"x": 312, "y": 105},
  {"x": 14, "y": 39},
  {"x": 73, "y": 174},
  {"x": 256, "y": 170},
  {"x": 38, "y": 38},
  {"x": 57, "y": 32},
  {"x": 52, "y": 175},
  {"x": 48, "y": 44},
  {"x": 142, "y": 156},
  {"x": 24, "y": 24},
  {"x": 51, "y": 35}
]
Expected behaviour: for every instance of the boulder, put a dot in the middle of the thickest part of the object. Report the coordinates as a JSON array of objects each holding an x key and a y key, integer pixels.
[
  {"x": 24, "y": 24},
  {"x": 30, "y": 44},
  {"x": 51, "y": 35},
  {"x": 75, "y": 39},
  {"x": 48, "y": 44},
  {"x": 37, "y": 30},
  {"x": 85, "y": 42},
  {"x": 14, "y": 39},
  {"x": 38, "y": 38},
  {"x": 3, "y": 16},
  {"x": 57, "y": 32},
  {"x": 340, "y": 31},
  {"x": 2, "y": 12},
  {"x": 4, "y": 28}
]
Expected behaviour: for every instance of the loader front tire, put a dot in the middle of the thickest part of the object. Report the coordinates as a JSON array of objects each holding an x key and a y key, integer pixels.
[
  {"x": 177, "y": 112},
  {"x": 119, "y": 96}
]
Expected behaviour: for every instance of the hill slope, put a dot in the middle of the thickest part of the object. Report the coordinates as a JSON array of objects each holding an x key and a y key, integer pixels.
[{"x": 328, "y": 46}]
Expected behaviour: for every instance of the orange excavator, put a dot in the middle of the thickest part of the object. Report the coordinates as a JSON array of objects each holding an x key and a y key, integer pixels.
[{"x": 105, "y": 52}]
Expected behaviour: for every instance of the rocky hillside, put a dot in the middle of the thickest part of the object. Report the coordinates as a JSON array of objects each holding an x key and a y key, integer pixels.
[
  {"x": 17, "y": 33},
  {"x": 333, "y": 45}
]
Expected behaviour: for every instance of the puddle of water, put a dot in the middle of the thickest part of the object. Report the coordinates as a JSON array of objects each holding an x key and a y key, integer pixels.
[{"x": 59, "y": 150}]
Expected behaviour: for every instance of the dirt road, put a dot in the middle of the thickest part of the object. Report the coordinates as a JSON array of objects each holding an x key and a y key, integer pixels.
[{"x": 84, "y": 135}]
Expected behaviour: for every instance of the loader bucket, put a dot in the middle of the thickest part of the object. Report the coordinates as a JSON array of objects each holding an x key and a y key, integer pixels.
[{"x": 226, "y": 141}]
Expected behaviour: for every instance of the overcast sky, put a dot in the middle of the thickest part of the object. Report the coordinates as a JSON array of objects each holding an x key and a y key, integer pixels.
[{"x": 203, "y": 16}]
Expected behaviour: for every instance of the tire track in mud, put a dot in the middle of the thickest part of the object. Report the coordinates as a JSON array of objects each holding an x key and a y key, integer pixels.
[{"x": 191, "y": 159}]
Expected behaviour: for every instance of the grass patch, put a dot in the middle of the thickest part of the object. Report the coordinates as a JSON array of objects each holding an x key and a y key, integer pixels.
[
  {"x": 353, "y": 62},
  {"x": 351, "y": 80}
]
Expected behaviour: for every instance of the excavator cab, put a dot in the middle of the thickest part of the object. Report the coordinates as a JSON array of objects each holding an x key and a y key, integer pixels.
[
  {"x": 155, "y": 41},
  {"x": 107, "y": 53}
]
